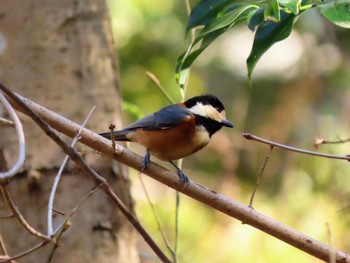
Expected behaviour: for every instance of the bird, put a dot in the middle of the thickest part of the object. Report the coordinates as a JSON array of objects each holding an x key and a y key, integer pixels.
[{"x": 176, "y": 131}]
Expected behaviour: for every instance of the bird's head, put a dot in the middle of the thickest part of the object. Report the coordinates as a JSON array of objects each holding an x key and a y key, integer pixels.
[{"x": 209, "y": 112}]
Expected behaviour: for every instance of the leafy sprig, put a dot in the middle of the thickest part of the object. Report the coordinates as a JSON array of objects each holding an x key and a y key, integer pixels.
[{"x": 271, "y": 20}]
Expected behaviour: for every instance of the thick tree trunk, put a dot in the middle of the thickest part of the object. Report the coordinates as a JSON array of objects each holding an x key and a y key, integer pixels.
[{"x": 60, "y": 54}]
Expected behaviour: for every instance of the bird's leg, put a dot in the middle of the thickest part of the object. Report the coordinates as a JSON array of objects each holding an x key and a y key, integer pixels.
[
  {"x": 146, "y": 161},
  {"x": 183, "y": 177}
]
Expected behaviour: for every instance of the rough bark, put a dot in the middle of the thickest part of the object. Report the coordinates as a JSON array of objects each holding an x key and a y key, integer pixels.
[{"x": 60, "y": 54}]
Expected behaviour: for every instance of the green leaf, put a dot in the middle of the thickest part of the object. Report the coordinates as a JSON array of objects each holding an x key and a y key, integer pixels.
[
  {"x": 266, "y": 35},
  {"x": 255, "y": 18},
  {"x": 227, "y": 20},
  {"x": 209, "y": 33},
  {"x": 338, "y": 12},
  {"x": 272, "y": 11},
  {"x": 205, "y": 11},
  {"x": 291, "y": 5},
  {"x": 187, "y": 58},
  {"x": 306, "y": 2}
]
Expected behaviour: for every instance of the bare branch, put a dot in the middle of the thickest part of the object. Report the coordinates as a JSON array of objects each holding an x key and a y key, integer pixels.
[
  {"x": 6, "y": 122},
  {"x": 156, "y": 217},
  {"x": 7, "y": 216},
  {"x": 58, "y": 211},
  {"x": 58, "y": 177},
  {"x": 4, "y": 250},
  {"x": 331, "y": 243},
  {"x": 23, "y": 105},
  {"x": 64, "y": 226},
  {"x": 21, "y": 141},
  {"x": 320, "y": 140},
  {"x": 196, "y": 191},
  {"x": 31, "y": 250},
  {"x": 7, "y": 196},
  {"x": 252, "y": 137},
  {"x": 258, "y": 179},
  {"x": 156, "y": 82}
]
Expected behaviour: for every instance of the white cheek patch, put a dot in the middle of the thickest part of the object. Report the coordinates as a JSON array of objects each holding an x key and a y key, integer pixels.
[
  {"x": 199, "y": 109},
  {"x": 208, "y": 111}
]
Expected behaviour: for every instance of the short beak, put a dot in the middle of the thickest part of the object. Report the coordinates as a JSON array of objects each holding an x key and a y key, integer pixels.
[{"x": 227, "y": 123}]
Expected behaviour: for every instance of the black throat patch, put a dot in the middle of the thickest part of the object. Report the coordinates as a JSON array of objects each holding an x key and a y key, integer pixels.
[{"x": 210, "y": 125}]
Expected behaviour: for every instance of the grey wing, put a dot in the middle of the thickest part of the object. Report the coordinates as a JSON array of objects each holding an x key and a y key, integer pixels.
[{"x": 164, "y": 118}]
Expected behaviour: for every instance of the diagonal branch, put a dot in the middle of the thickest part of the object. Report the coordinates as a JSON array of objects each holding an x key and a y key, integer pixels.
[
  {"x": 73, "y": 154},
  {"x": 15, "y": 211},
  {"x": 234, "y": 209}
]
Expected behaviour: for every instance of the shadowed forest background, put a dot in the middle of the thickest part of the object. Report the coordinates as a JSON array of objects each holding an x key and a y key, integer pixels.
[{"x": 300, "y": 92}]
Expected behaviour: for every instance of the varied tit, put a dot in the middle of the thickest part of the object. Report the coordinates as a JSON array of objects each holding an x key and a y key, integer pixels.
[{"x": 176, "y": 131}]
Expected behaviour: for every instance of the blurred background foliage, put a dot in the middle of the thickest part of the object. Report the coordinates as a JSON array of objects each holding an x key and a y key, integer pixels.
[{"x": 300, "y": 91}]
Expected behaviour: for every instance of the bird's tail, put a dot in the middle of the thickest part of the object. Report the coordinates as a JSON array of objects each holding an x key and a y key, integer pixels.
[{"x": 118, "y": 135}]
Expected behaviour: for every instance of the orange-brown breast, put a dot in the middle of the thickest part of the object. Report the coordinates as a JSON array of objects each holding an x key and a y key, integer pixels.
[{"x": 172, "y": 143}]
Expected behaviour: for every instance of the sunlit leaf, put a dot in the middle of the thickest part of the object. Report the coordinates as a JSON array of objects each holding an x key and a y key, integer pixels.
[
  {"x": 291, "y": 5},
  {"x": 205, "y": 11},
  {"x": 338, "y": 12},
  {"x": 272, "y": 11},
  {"x": 226, "y": 20},
  {"x": 266, "y": 35},
  {"x": 209, "y": 33}
]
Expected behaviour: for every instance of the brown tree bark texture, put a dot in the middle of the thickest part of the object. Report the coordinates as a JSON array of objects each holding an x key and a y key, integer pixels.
[{"x": 61, "y": 54}]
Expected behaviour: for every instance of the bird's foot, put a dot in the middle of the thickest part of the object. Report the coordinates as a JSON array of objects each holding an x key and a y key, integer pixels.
[
  {"x": 183, "y": 178},
  {"x": 146, "y": 161}
]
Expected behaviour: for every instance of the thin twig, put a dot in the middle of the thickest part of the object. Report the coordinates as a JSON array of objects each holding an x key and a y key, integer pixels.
[
  {"x": 330, "y": 243},
  {"x": 65, "y": 225},
  {"x": 58, "y": 211},
  {"x": 135, "y": 222},
  {"x": 58, "y": 177},
  {"x": 183, "y": 92},
  {"x": 250, "y": 136},
  {"x": 111, "y": 128},
  {"x": 160, "y": 228},
  {"x": 258, "y": 179},
  {"x": 156, "y": 81},
  {"x": 21, "y": 141},
  {"x": 6, "y": 122},
  {"x": 27, "y": 252},
  {"x": 188, "y": 10},
  {"x": 75, "y": 209},
  {"x": 4, "y": 250},
  {"x": 206, "y": 196},
  {"x": 320, "y": 140},
  {"x": 7, "y": 217},
  {"x": 14, "y": 209},
  {"x": 2, "y": 245},
  {"x": 177, "y": 214}
]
